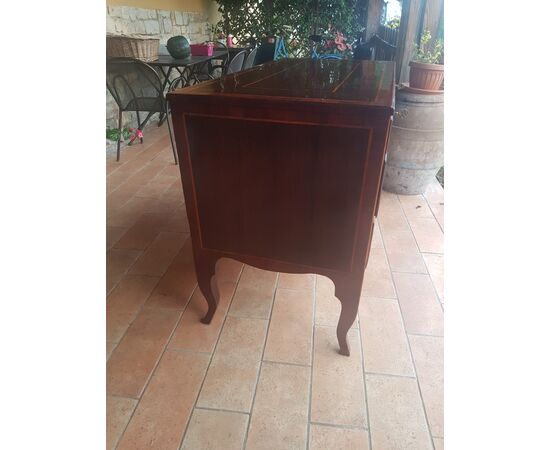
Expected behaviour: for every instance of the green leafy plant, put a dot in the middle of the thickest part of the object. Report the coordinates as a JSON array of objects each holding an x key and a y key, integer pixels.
[
  {"x": 252, "y": 21},
  {"x": 427, "y": 52},
  {"x": 394, "y": 23},
  {"x": 113, "y": 134},
  {"x": 216, "y": 32}
]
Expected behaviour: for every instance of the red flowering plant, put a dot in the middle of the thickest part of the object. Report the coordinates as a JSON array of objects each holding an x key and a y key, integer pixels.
[{"x": 334, "y": 43}]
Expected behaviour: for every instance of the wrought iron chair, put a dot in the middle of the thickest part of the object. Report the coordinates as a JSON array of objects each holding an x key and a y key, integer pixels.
[
  {"x": 224, "y": 61},
  {"x": 236, "y": 64},
  {"x": 249, "y": 62},
  {"x": 136, "y": 87},
  {"x": 206, "y": 71},
  {"x": 232, "y": 66}
]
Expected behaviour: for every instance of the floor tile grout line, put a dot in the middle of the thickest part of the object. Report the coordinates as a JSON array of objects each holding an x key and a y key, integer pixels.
[
  {"x": 432, "y": 253},
  {"x": 143, "y": 306},
  {"x": 117, "y": 343},
  {"x": 124, "y": 184},
  {"x": 420, "y": 391},
  {"x": 124, "y": 273},
  {"x": 149, "y": 378},
  {"x": 411, "y": 272},
  {"x": 432, "y": 215},
  {"x": 206, "y": 408},
  {"x": 322, "y": 325},
  {"x": 416, "y": 373},
  {"x": 188, "y": 238},
  {"x": 294, "y": 289},
  {"x": 412, "y": 233},
  {"x": 118, "y": 239},
  {"x": 133, "y": 195},
  {"x": 158, "y": 231},
  {"x": 432, "y": 211},
  {"x": 440, "y": 298},
  {"x": 122, "y": 396},
  {"x": 161, "y": 354},
  {"x": 427, "y": 335},
  {"x": 244, "y": 316},
  {"x": 382, "y": 374},
  {"x": 380, "y": 233},
  {"x": 261, "y": 360},
  {"x": 133, "y": 222},
  {"x": 416, "y": 241},
  {"x": 187, "y": 350},
  {"x": 137, "y": 314},
  {"x": 364, "y": 380},
  {"x": 119, "y": 439},
  {"x": 157, "y": 196},
  {"x": 284, "y": 363},
  {"x": 143, "y": 275},
  {"x": 129, "y": 182},
  {"x": 342, "y": 427},
  {"x": 137, "y": 154},
  {"x": 310, "y": 393},
  {"x": 142, "y": 251},
  {"x": 146, "y": 147},
  {"x": 210, "y": 361},
  {"x": 411, "y": 354}
]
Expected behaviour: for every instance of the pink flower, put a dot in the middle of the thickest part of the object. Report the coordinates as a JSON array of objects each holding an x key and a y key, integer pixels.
[{"x": 137, "y": 133}]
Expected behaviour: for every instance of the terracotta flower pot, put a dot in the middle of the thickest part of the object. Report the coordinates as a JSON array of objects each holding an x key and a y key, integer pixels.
[{"x": 426, "y": 76}]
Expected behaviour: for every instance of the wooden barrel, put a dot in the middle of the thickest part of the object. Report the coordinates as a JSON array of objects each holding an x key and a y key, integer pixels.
[{"x": 415, "y": 149}]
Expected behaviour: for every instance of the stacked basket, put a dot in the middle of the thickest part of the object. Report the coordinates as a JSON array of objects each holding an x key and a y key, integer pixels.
[{"x": 144, "y": 49}]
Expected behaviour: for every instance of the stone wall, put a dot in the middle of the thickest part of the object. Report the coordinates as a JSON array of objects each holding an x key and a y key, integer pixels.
[{"x": 139, "y": 22}]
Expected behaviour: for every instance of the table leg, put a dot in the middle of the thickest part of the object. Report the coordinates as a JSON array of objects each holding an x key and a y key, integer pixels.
[
  {"x": 348, "y": 291},
  {"x": 165, "y": 83},
  {"x": 206, "y": 277}
]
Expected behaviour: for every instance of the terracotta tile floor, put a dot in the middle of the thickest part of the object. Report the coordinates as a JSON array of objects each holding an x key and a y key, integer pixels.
[{"x": 265, "y": 374}]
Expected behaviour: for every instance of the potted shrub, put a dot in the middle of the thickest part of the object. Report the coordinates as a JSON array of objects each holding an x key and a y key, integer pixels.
[{"x": 426, "y": 71}]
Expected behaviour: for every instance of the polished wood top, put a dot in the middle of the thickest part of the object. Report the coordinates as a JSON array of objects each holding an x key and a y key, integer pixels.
[{"x": 368, "y": 83}]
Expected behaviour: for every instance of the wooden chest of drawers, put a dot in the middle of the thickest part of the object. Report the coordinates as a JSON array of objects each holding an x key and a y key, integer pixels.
[{"x": 282, "y": 167}]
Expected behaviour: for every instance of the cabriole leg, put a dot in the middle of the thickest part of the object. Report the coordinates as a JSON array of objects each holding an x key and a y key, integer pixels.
[
  {"x": 206, "y": 277},
  {"x": 349, "y": 293}
]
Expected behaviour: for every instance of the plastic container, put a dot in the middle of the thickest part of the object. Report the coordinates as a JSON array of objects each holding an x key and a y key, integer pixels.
[{"x": 202, "y": 49}]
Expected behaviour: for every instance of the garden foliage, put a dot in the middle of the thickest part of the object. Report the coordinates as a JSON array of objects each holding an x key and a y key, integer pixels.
[{"x": 294, "y": 20}]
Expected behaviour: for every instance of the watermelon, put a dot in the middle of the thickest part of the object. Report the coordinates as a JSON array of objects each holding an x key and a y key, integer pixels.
[{"x": 178, "y": 47}]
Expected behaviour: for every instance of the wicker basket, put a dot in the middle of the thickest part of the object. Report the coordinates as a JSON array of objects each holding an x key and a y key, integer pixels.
[{"x": 145, "y": 49}]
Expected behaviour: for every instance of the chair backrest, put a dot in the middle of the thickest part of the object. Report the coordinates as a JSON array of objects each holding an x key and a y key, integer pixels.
[
  {"x": 130, "y": 79},
  {"x": 266, "y": 53},
  {"x": 236, "y": 63},
  {"x": 220, "y": 46},
  {"x": 250, "y": 59}
]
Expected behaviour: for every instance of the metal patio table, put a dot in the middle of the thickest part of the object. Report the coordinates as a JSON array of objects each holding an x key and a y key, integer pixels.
[{"x": 187, "y": 68}]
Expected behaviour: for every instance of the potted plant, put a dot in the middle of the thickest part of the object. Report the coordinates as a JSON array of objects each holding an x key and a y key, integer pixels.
[{"x": 426, "y": 66}]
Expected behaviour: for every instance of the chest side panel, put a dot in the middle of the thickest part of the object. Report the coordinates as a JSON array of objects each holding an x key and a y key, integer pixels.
[{"x": 290, "y": 192}]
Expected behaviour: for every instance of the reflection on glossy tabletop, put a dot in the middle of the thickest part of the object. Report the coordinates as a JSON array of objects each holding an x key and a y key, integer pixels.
[{"x": 370, "y": 83}]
